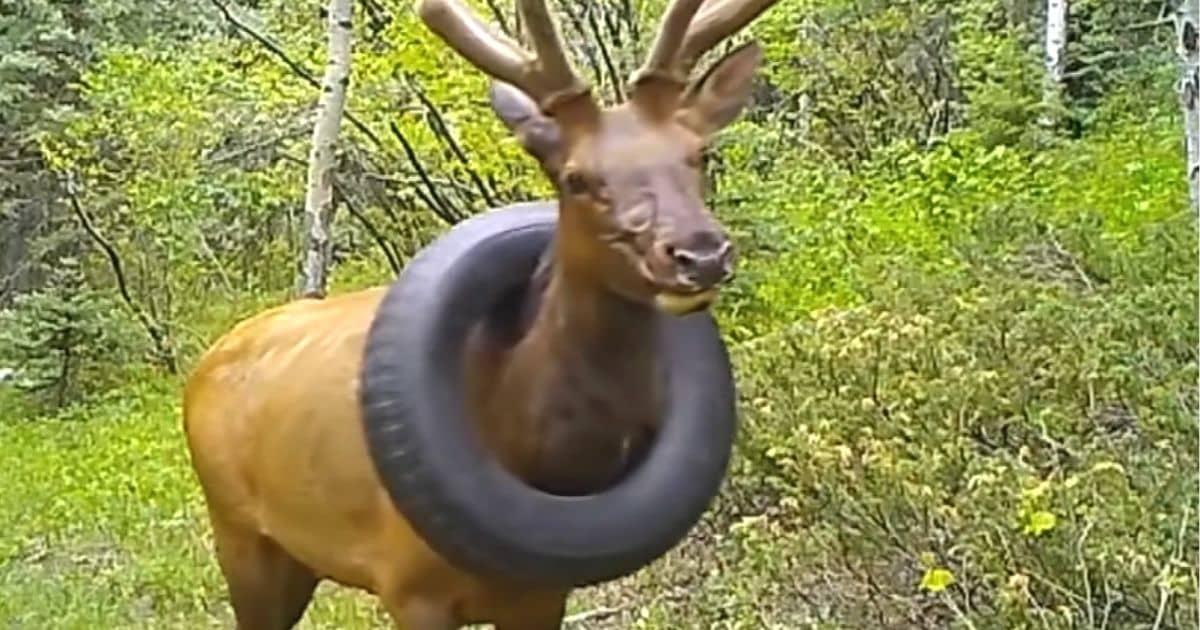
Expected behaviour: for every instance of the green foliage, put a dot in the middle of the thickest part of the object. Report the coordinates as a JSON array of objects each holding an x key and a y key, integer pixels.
[
  {"x": 949, "y": 360},
  {"x": 44, "y": 43},
  {"x": 137, "y": 151},
  {"x": 984, "y": 411},
  {"x": 1018, "y": 431},
  {"x": 1000, "y": 418},
  {"x": 1000, "y": 72},
  {"x": 45, "y": 46},
  {"x": 1119, "y": 51},
  {"x": 853, "y": 77},
  {"x": 190, "y": 158},
  {"x": 59, "y": 340}
]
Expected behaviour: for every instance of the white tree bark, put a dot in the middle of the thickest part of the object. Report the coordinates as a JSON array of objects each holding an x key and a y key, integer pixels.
[
  {"x": 1187, "y": 42},
  {"x": 1055, "y": 53},
  {"x": 318, "y": 200}
]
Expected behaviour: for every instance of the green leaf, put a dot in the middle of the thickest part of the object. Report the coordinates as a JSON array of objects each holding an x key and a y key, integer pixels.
[
  {"x": 937, "y": 580},
  {"x": 1040, "y": 522}
]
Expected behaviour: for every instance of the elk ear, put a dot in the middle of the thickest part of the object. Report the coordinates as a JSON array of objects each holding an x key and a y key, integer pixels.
[
  {"x": 539, "y": 134},
  {"x": 718, "y": 97}
]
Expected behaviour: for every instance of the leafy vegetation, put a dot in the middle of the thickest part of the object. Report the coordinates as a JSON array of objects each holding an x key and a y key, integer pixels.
[{"x": 966, "y": 342}]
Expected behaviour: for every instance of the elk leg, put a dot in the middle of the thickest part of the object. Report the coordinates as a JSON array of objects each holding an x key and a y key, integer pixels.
[
  {"x": 414, "y": 614},
  {"x": 534, "y": 614},
  {"x": 269, "y": 590}
]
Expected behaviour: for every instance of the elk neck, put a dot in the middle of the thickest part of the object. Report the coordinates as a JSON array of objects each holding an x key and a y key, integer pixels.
[{"x": 570, "y": 393}]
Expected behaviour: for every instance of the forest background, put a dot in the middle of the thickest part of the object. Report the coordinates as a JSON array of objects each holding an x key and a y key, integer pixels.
[{"x": 964, "y": 327}]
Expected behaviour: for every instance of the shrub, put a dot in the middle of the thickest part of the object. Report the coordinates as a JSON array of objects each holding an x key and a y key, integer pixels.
[
  {"x": 989, "y": 448},
  {"x": 999, "y": 427},
  {"x": 60, "y": 340}
]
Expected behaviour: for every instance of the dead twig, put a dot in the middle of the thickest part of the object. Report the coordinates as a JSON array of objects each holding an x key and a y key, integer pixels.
[
  {"x": 1074, "y": 262},
  {"x": 1164, "y": 592},
  {"x": 597, "y": 613}
]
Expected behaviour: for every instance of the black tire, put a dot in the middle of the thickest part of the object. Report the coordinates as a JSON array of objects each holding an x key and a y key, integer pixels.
[{"x": 458, "y": 497}]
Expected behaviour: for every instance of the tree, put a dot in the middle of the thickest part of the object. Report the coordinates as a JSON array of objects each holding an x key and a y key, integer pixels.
[
  {"x": 1187, "y": 21},
  {"x": 1056, "y": 53},
  {"x": 44, "y": 46},
  {"x": 318, "y": 201}
]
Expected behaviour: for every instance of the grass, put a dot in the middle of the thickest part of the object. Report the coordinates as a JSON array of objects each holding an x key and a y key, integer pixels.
[{"x": 105, "y": 525}]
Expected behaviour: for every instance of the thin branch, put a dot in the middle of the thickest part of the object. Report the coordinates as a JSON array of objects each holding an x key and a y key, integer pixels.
[
  {"x": 443, "y": 130},
  {"x": 292, "y": 65},
  {"x": 1164, "y": 592},
  {"x": 414, "y": 181},
  {"x": 215, "y": 157},
  {"x": 604, "y": 54},
  {"x": 207, "y": 249},
  {"x": 152, "y": 328},
  {"x": 585, "y": 49},
  {"x": 356, "y": 212},
  {"x": 379, "y": 17},
  {"x": 1087, "y": 582},
  {"x": 631, "y": 18},
  {"x": 1149, "y": 24},
  {"x": 499, "y": 17},
  {"x": 436, "y": 202},
  {"x": 949, "y": 601}
]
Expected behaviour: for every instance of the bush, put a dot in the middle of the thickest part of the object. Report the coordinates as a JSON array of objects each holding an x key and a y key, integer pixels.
[
  {"x": 996, "y": 429},
  {"x": 993, "y": 449},
  {"x": 60, "y": 342}
]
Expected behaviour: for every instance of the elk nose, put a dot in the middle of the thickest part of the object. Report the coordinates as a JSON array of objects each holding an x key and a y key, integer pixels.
[{"x": 702, "y": 259}]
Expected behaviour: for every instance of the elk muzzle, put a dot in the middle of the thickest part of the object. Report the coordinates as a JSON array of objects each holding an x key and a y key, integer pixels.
[{"x": 692, "y": 266}]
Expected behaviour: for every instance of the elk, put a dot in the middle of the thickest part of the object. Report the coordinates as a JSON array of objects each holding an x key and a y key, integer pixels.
[{"x": 561, "y": 386}]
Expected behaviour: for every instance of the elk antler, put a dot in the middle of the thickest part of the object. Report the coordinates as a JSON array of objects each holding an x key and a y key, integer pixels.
[
  {"x": 671, "y": 31},
  {"x": 546, "y": 77},
  {"x": 718, "y": 20},
  {"x": 682, "y": 40}
]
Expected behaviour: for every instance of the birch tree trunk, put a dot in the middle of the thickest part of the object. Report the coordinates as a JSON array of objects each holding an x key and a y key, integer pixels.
[
  {"x": 1055, "y": 55},
  {"x": 1187, "y": 42},
  {"x": 318, "y": 200}
]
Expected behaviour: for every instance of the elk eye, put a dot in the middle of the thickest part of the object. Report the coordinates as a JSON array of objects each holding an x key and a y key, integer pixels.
[{"x": 576, "y": 183}]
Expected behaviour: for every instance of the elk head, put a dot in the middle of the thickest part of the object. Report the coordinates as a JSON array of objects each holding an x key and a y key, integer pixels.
[{"x": 632, "y": 218}]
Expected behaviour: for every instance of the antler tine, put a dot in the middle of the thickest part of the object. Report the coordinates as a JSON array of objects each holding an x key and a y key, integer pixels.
[
  {"x": 478, "y": 43},
  {"x": 559, "y": 79},
  {"x": 548, "y": 77},
  {"x": 718, "y": 20},
  {"x": 671, "y": 31}
]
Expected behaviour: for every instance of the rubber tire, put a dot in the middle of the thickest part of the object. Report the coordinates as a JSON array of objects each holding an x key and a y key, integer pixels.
[{"x": 456, "y": 496}]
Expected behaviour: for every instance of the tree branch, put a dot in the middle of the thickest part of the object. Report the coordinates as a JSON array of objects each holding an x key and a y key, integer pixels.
[
  {"x": 443, "y": 130},
  {"x": 588, "y": 615},
  {"x": 292, "y": 65},
  {"x": 153, "y": 329},
  {"x": 617, "y": 83},
  {"x": 436, "y": 202},
  {"x": 393, "y": 260}
]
